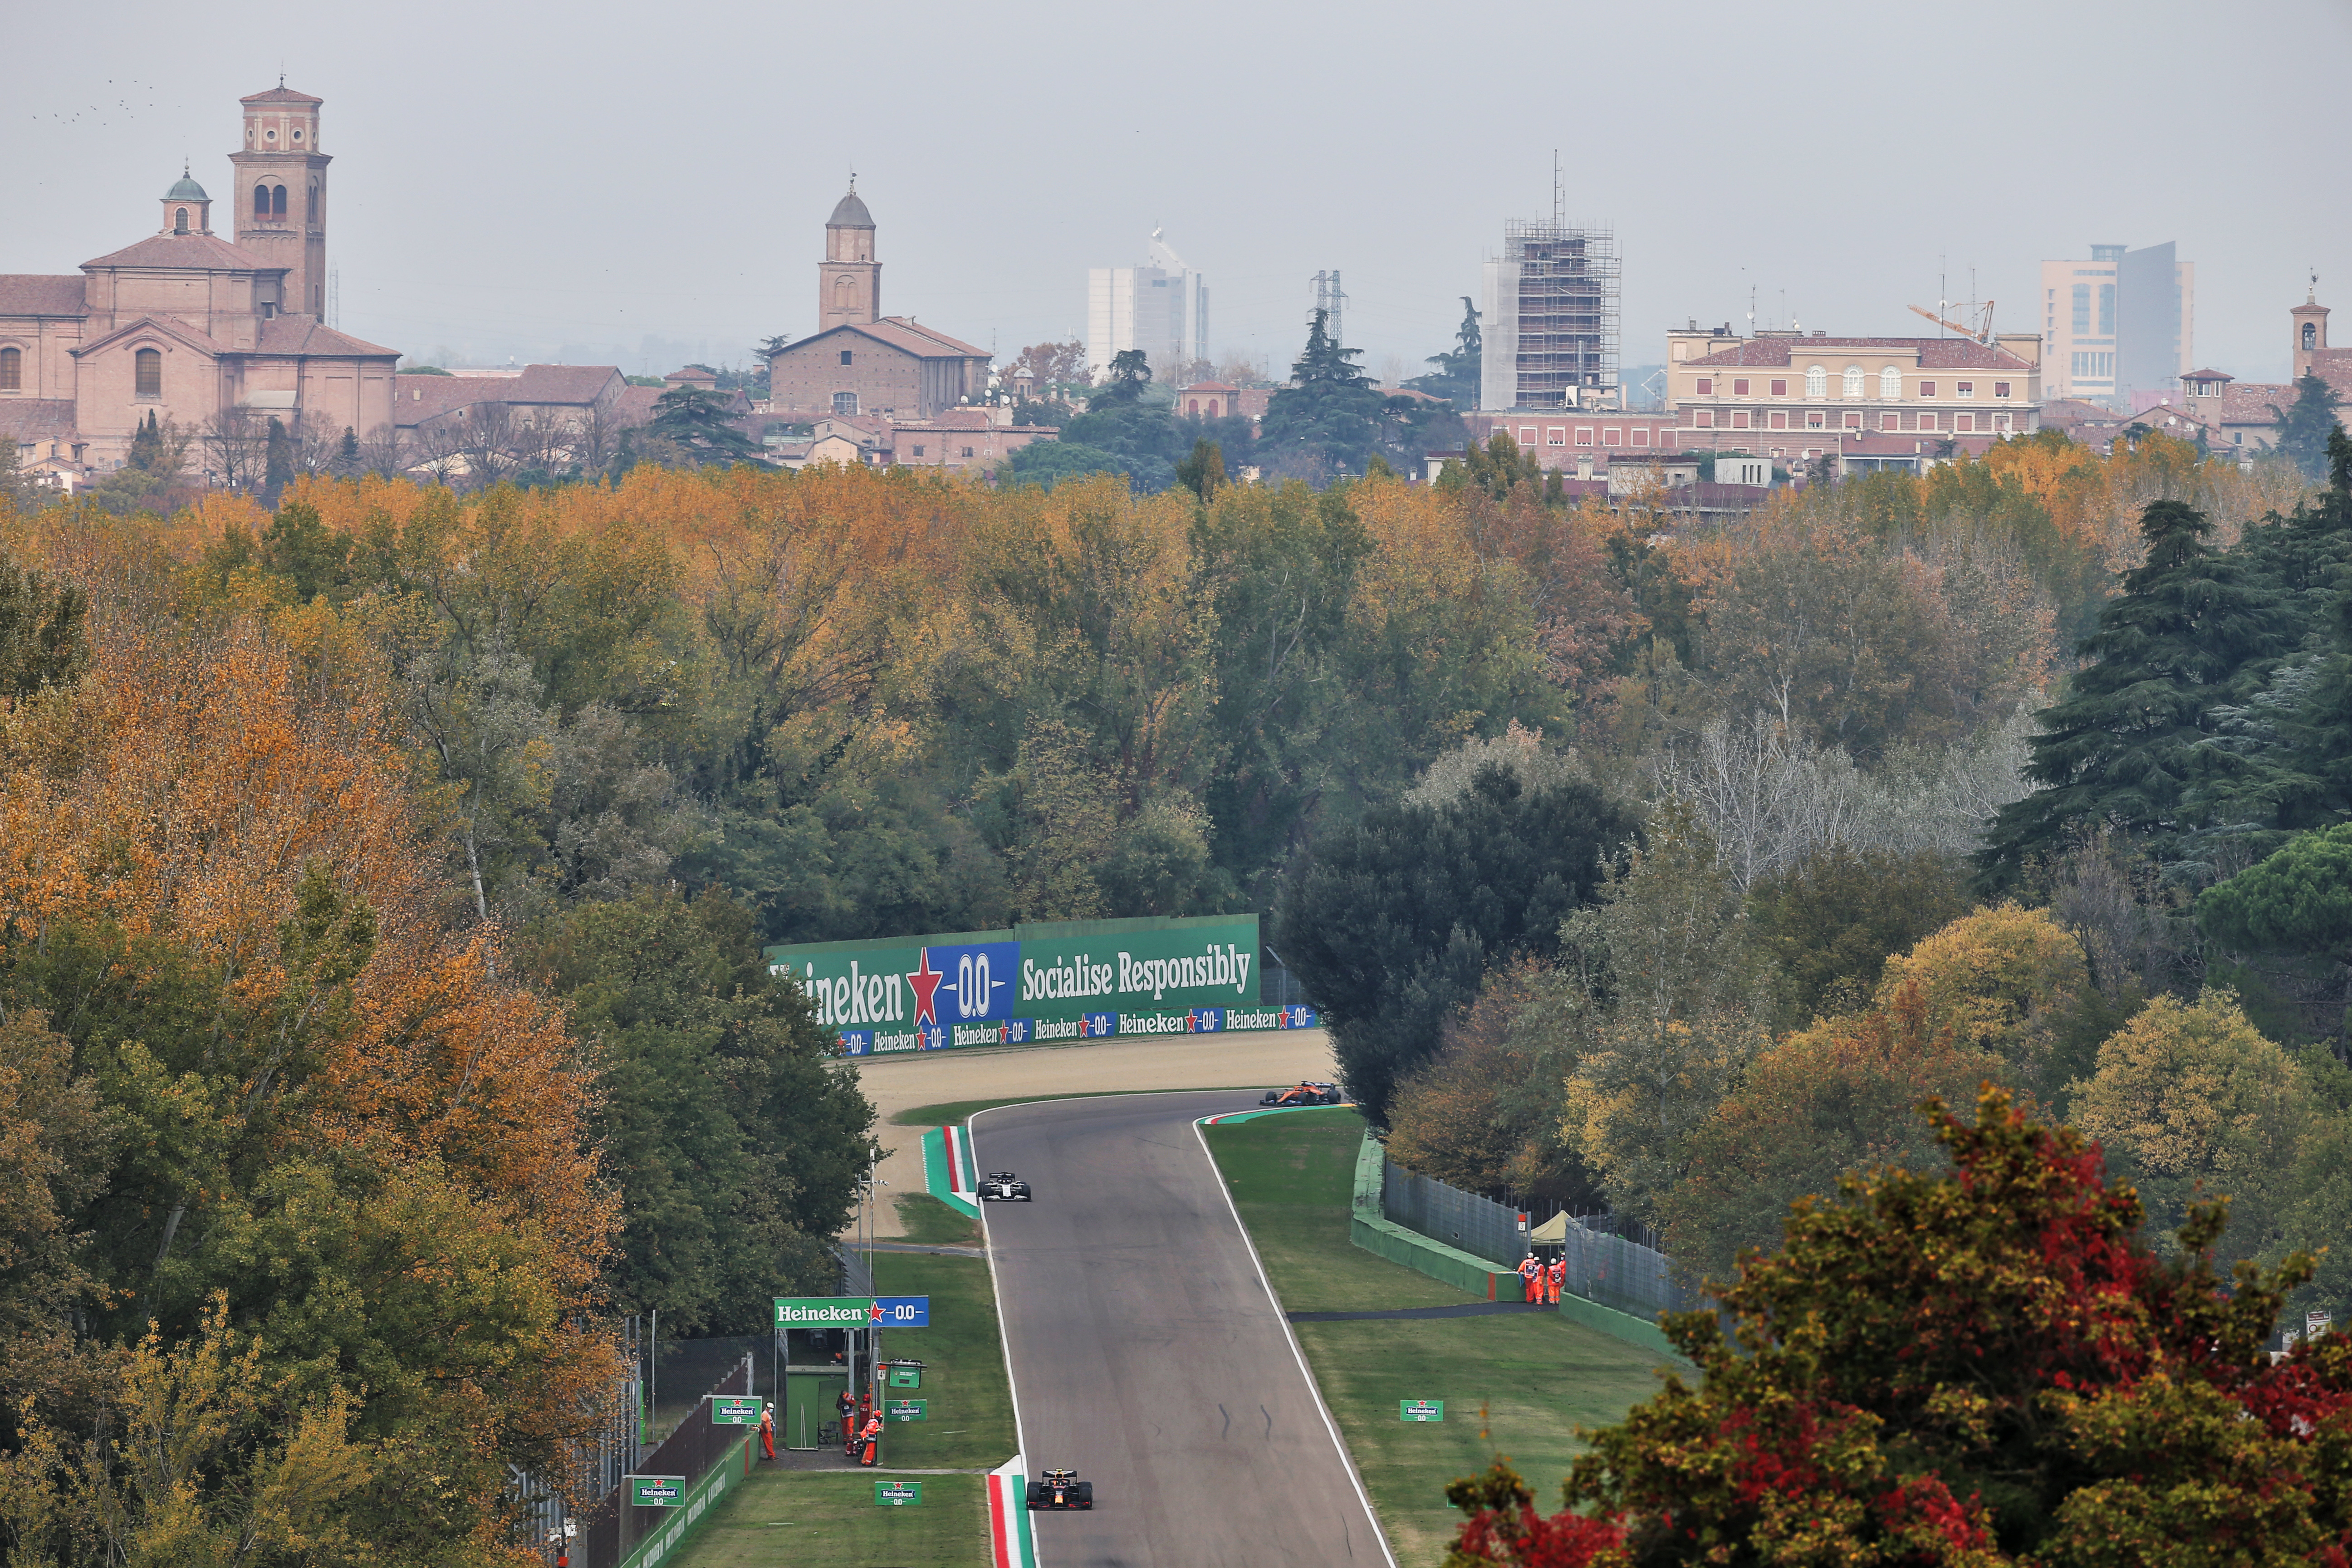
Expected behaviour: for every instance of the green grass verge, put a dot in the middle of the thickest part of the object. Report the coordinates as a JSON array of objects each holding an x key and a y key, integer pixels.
[
  {"x": 1293, "y": 1177},
  {"x": 950, "y": 1112},
  {"x": 1537, "y": 1375},
  {"x": 923, "y": 1218},
  {"x": 969, "y": 1397},
  {"x": 827, "y": 1518}
]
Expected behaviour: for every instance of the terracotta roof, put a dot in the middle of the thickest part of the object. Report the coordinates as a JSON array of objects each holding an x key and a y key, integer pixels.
[
  {"x": 37, "y": 418},
  {"x": 303, "y": 335},
  {"x": 1210, "y": 386},
  {"x": 2207, "y": 375},
  {"x": 635, "y": 405},
  {"x": 40, "y": 294},
  {"x": 692, "y": 373},
  {"x": 2249, "y": 401},
  {"x": 198, "y": 252},
  {"x": 1934, "y": 353},
  {"x": 557, "y": 384},
  {"x": 956, "y": 347},
  {"x": 2074, "y": 411},
  {"x": 416, "y": 399},
  {"x": 281, "y": 94}
]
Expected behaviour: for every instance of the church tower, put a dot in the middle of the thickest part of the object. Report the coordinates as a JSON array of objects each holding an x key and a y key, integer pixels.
[
  {"x": 280, "y": 198},
  {"x": 849, "y": 281},
  {"x": 186, "y": 208},
  {"x": 2310, "y": 320}
]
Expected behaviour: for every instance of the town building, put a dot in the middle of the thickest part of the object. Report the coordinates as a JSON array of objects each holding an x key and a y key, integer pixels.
[
  {"x": 1801, "y": 392},
  {"x": 860, "y": 363},
  {"x": 960, "y": 440},
  {"x": 1160, "y": 308},
  {"x": 2120, "y": 324},
  {"x": 2243, "y": 415},
  {"x": 193, "y": 328},
  {"x": 1550, "y": 321}
]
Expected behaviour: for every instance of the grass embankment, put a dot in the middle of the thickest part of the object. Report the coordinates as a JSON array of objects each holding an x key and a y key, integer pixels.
[
  {"x": 827, "y": 1518},
  {"x": 1537, "y": 1374},
  {"x": 923, "y": 1219}
]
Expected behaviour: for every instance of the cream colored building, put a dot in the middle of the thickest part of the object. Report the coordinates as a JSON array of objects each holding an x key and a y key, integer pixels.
[
  {"x": 1811, "y": 389},
  {"x": 2122, "y": 322},
  {"x": 190, "y": 326}
]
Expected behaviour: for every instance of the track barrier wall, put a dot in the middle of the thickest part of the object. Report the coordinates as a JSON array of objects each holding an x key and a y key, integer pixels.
[
  {"x": 1615, "y": 1286},
  {"x": 1373, "y": 1231},
  {"x": 1069, "y": 980},
  {"x": 619, "y": 1534},
  {"x": 1463, "y": 1221}
]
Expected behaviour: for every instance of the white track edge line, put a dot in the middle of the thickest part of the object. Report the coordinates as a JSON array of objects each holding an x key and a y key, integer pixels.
[
  {"x": 1355, "y": 1478},
  {"x": 996, "y": 1291}
]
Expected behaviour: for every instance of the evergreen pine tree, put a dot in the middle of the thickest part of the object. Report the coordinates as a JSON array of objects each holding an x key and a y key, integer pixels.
[
  {"x": 2305, "y": 424},
  {"x": 2283, "y": 763},
  {"x": 698, "y": 423},
  {"x": 146, "y": 446},
  {"x": 347, "y": 455},
  {"x": 1328, "y": 419},
  {"x": 278, "y": 468},
  {"x": 2192, "y": 629}
]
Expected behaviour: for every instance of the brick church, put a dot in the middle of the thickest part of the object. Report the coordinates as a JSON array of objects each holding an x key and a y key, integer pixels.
[
  {"x": 188, "y": 325},
  {"x": 861, "y": 362}
]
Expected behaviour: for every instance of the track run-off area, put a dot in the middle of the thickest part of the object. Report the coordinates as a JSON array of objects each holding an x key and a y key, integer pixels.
[{"x": 1149, "y": 1352}]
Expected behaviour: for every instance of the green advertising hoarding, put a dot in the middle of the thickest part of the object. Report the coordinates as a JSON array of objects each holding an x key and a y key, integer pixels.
[
  {"x": 898, "y": 1494},
  {"x": 1067, "y": 981}
]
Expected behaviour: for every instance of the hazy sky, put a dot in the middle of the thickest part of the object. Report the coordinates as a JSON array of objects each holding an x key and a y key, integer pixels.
[{"x": 512, "y": 179}]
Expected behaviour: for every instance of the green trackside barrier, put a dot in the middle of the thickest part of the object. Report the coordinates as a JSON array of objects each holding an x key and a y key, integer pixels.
[
  {"x": 1633, "y": 1330},
  {"x": 701, "y": 1498},
  {"x": 1372, "y": 1231}
]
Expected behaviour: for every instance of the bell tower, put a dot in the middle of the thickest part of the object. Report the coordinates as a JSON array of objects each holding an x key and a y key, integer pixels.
[
  {"x": 2310, "y": 320},
  {"x": 849, "y": 281},
  {"x": 280, "y": 196}
]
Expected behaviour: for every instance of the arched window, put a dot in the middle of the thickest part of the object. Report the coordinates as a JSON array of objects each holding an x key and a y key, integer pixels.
[
  {"x": 1890, "y": 381},
  {"x": 276, "y": 201},
  {"x": 1854, "y": 380},
  {"x": 845, "y": 403},
  {"x": 1817, "y": 382},
  {"x": 261, "y": 201},
  {"x": 12, "y": 370},
  {"x": 179, "y": 220},
  {"x": 313, "y": 210},
  {"x": 2311, "y": 334},
  {"x": 844, "y": 290},
  {"x": 148, "y": 370}
]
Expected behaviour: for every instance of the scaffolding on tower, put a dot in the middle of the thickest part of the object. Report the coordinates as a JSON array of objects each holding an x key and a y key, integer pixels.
[{"x": 1567, "y": 281}]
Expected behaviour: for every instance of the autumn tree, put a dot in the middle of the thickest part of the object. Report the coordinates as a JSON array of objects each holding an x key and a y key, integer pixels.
[
  {"x": 1829, "y": 924},
  {"x": 1977, "y": 1366}
]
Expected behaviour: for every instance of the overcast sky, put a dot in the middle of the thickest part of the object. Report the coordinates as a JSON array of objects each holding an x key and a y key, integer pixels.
[{"x": 518, "y": 180}]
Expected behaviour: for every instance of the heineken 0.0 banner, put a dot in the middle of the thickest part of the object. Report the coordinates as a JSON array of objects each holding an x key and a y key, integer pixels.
[{"x": 1071, "y": 981}]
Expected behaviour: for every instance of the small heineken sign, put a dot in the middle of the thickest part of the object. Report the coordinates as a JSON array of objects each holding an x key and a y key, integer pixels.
[
  {"x": 906, "y": 1410},
  {"x": 1420, "y": 1410},
  {"x": 657, "y": 1492},
  {"x": 905, "y": 1377},
  {"x": 736, "y": 1409},
  {"x": 898, "y": 1494}
]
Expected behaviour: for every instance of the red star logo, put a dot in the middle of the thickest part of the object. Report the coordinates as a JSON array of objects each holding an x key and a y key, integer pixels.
[{"x": 926, "y": 981}]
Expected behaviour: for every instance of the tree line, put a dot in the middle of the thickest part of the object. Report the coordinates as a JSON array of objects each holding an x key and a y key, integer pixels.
[
  {"x": 1700, "y": 963},
  {"x": 388, "y": 869}
]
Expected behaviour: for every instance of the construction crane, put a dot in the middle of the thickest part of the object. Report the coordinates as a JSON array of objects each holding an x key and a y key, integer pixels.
[{"x": 1981, "y": 331}]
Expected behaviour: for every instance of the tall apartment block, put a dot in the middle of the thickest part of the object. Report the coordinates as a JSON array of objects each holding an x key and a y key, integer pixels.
[
  {"x": 1162, "y": 307},
  {"x": 2118, "y": 325},
  {"x": 1549, "y": 322}
]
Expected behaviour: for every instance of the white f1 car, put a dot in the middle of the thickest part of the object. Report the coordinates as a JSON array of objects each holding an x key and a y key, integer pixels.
[{"x": 1003, "y": 1187}]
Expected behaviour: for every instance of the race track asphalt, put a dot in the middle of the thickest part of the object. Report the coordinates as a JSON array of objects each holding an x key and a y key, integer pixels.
[{"x": 1147, "y": 1353}]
